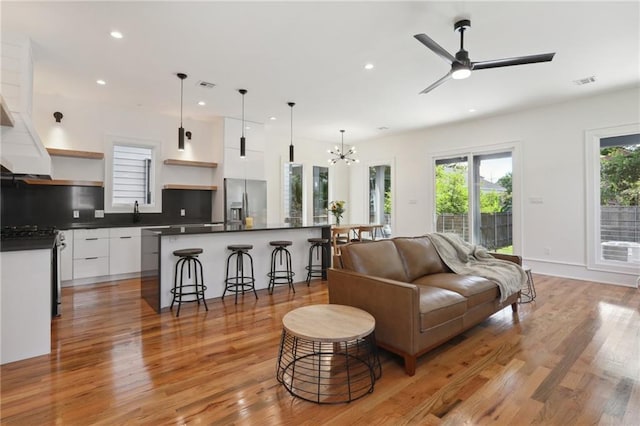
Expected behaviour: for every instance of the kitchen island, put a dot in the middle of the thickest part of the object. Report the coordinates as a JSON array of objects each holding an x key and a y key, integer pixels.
[
  {"x": 25, "y": 298},
  {"x": 158, "y": 261}
]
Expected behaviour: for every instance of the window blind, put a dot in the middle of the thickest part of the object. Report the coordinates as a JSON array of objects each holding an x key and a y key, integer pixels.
[{"x": 131, "y": 175}]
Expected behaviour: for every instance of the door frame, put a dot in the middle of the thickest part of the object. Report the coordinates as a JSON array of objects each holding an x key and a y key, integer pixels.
[
  {"x": 391, "y": 162},
  {"x": 515, "y": 147}
]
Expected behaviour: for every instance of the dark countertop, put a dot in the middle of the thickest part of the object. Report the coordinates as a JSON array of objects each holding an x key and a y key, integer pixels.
[
  {"x": 30, "y": 244},
  {"x": 123, "y": 225},
  {"x": 191, "y": 230}
]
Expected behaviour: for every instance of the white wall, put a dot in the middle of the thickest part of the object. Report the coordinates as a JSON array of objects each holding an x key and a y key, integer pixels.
[
  {"x": 86, "y": 125},
  {"x": 309, "y": 153},
  {"x": 552, "y": 141}
]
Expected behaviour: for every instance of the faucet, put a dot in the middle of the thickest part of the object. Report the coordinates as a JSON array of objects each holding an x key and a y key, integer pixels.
[{"x": 136, "y": 212}]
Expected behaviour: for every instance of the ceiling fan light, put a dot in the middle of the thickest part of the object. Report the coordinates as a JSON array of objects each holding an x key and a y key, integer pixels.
[{"x": 460, "y": 73}]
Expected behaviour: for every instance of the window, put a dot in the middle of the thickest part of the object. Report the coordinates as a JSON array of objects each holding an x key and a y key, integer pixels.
[
  {"x": 613, "y": 199},
  {"x": 293, "y": 193},
  {"x": 320, "y": 195},
  {"x": 380, "y": 197},
  {"x": 131, "y": 174},
  {"x": 473, "y": 198}
]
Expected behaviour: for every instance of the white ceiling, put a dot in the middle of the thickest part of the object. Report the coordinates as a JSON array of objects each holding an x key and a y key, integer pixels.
[{"x": 313, "y": 53}]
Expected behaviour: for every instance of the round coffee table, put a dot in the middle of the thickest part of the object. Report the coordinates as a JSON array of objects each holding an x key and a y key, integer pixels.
[{"x": 328, "y": 353}]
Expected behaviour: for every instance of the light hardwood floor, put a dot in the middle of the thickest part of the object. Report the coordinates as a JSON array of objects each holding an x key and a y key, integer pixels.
[{"x": 570, "y": 358}]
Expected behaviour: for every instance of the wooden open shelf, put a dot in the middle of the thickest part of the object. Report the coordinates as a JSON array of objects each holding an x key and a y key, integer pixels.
[
  {"x": 62, "y": 182},
  {"x": 76, "y": 154},
  {"x": 193, "y": 187},
  {"x": 189, "y": 163}
]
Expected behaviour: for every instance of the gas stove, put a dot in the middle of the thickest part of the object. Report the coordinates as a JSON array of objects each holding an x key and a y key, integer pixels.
[{"x": 27, "y": 232}]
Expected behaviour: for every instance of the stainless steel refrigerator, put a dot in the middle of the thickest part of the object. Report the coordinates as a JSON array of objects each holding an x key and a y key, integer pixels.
[{"x": 245, "y": 197}]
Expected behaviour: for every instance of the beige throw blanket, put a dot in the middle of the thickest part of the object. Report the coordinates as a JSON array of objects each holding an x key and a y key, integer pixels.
[{"x": 468, "y": 259}]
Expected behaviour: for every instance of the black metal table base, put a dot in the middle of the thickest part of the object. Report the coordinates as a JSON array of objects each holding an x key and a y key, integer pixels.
[{"x": 328, "y": 372}]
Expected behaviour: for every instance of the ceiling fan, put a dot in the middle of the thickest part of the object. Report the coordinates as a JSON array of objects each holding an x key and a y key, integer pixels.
[{"x": 461, "y": 65}]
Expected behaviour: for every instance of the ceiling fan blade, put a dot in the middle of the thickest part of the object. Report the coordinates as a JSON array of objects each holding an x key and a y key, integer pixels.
[
  {"x": 435, "y": 47},
  {"x": 436, "y": 84},
  {"x": 507, "y": 62}
]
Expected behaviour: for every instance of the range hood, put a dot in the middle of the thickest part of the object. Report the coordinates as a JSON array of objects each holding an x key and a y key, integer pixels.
[{"x": 21, "y": 150}]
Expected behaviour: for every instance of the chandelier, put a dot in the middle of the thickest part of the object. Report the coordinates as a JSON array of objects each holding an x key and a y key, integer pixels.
[{"x": 339, "y": 154}]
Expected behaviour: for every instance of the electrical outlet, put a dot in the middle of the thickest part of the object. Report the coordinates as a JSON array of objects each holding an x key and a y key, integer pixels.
[
  {"x": 99, "y": 214},
  {"x": 182, "y": 212},
  {"x": 547, "y": 251},
  {"x": 76, "y": 214}
]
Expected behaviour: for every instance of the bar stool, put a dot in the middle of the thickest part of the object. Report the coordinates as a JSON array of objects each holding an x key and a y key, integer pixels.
[
  {"x": 285, "y": 274},
  {"x": 188, "y": 257},
  {"x": 239, "y": 283},
  {"x": 320, "y": 250}
]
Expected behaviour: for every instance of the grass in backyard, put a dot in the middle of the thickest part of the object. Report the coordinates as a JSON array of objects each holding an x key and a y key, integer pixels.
[{"x": 505, "y": 250}]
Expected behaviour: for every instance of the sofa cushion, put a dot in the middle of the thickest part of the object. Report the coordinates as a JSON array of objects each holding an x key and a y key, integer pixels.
[
  {"x": 438, "y": 306},
  {"x": 379, "y": 258},
  {"x": 477, "y": 290},
  {"x": 419, "y": 257}
]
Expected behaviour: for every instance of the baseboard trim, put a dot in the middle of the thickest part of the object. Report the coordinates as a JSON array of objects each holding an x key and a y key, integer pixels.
[{"x": 580, "y": 272}]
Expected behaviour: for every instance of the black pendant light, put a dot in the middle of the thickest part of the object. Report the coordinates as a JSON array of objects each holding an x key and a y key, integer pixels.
[
  {"x": 243, "y": 141},
  {"x": 291, "y": 104},
  {"x": 181, "y": 76}
]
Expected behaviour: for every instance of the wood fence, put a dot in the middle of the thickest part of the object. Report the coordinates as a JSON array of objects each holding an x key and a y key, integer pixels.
[
  {"x": 496, "y": 229},
  {"x": 620, "y": 223}
]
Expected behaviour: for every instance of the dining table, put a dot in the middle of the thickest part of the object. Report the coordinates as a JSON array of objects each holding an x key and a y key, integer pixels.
[{"x": 345, "y": 233}]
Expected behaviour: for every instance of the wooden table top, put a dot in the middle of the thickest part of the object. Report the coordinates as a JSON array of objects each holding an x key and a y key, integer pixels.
[{"x": 329, "y": 323}]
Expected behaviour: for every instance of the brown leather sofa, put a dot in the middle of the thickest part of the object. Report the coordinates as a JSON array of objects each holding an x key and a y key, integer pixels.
[{"x": 418, "y": 303}]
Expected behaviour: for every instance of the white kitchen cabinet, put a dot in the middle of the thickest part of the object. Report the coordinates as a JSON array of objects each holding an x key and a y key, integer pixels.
[
  {"x": 90, "y": 253},
  {"x": 66, "y": 257},
  {"x": 25, "y": 304},
  {"x": 124, "y": 250},
  {"x": 90, "y": 267}
]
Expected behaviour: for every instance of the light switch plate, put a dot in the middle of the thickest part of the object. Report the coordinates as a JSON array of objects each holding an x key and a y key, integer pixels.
[
  {"x": 76, "y": 214},
  {"x": 182, "y": 212}
]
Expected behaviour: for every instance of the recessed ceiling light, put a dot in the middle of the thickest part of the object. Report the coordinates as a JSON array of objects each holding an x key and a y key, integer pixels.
[
  {"x": 368, "y": 67},
  {"x": 116, "y": 34},
  {"x": 472, "y": 110},
  {"x": 272, "y": 118},
  {"x": 247, "y": 128},
  {"x": 383, "y": 128},
  {"x": 202, "y": 103},
  {"x": 101, "y": 82}
]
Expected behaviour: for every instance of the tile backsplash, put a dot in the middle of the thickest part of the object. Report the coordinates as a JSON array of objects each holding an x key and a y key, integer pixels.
[{"x": 45, "y": 205}]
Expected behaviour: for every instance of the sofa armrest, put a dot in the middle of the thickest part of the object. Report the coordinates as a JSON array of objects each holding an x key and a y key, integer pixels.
[
  {"x": 395, "y": 305},
  {"x": 509, "y": 257}
]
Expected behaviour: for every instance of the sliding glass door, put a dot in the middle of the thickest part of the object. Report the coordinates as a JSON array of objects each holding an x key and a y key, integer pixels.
[{"x": 473, "y": 195}]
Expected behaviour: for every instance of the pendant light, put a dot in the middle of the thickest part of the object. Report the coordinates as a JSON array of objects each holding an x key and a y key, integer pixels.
[
  {"x": 243, "y": 141},
  {"x": 341, "y": 155},
  {"x": 291, "y": 104},
  {"x": 181, "y": 76}
]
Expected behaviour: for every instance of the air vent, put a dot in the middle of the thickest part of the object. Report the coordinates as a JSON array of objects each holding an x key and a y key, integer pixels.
[
  {"x": 206, "y": 84},
  {"x": 585, "y": 80}
]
